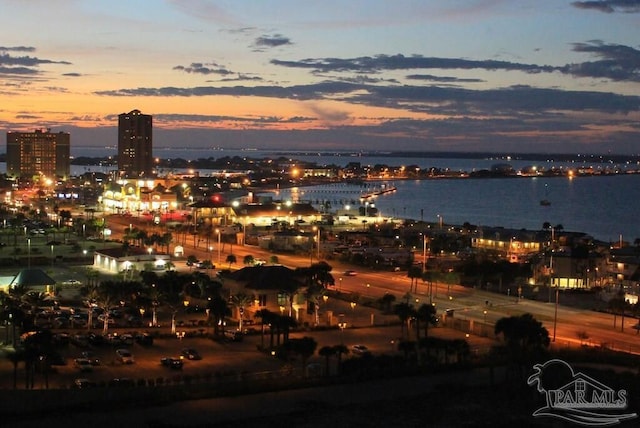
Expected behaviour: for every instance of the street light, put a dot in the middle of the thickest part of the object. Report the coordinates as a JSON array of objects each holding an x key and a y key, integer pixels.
[
  {"x": 219, "y": 246},
  {"x": 28, "y": 252},
  {"x": 485, "y": 316},
  {"x": 342, "y": 325}
]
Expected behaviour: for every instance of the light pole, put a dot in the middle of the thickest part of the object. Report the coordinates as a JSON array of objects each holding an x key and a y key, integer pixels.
[
  {"x": 424, "y": 253},
  {"x": 318, "y": 245},
  {"x": 219, "y": 246},
  {"x": 29, "y": 252},
  {"x": 342, "y": 325},
  {"x": 555, "y": 315}
]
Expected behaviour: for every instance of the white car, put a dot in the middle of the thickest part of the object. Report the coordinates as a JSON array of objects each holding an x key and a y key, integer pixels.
[
  {"x": 360, "y": 350},
  {"x": 124, "y": 356},
  {"x": 72, "y": 282}
]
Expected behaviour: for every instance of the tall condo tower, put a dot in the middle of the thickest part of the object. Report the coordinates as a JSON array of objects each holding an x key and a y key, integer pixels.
[
  {"x": 135, "y": 144},
  {"x": 40, "y": 154}
]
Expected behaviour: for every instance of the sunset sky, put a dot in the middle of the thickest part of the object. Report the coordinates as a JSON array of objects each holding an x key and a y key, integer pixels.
[{"x": 548, "y": 76}]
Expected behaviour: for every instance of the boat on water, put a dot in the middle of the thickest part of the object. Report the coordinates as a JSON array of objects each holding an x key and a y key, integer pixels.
[{"x": 545, "y": 202}]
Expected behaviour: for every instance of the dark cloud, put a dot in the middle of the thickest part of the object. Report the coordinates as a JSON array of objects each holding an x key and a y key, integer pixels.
[
  {"x": 418, "y": 98},
  {"x": 272, "y": 41},
  {"x": 72, "y": 74},
  {"x": 22, "y": 65},
  {"x": 200, "y": 118},
  {"x": 242, "y": 78},
  {"x": 17, "y": 49},
  {"x": 442, "y": 79},
  {"x": 610, "y": 6},
  {"x": 200, "y": 68},
  {"x": 400, "y": 62},
  {"x": 18, "y": 70},
  {"x": 302, "y": 92},
  {"x": 618, "y": 62}
]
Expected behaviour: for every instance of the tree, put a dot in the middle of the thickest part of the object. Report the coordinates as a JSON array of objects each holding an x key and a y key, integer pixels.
[
  {"x": 525, "y": 338},
  {"x": 414, "y": 273},
  {"x": 327, "y": 352},
  {"x": 386, "y": 301},
  {"x": 266, "y": 318},
  {"x": 219, "y": 310},
  {"x": 240, "y": 301},
  {"x": 404, "y": 311},
  {"x": 340, "y": 350},
  {"x": 304, "y": 346},
  {"x": 231, "y": 259},
  {"x": 248, "y": 260},
  {"x": 274, "y": 260}
]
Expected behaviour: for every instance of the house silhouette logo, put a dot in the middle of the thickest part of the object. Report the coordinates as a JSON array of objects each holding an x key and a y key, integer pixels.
[{"x": 576, "y": 397}]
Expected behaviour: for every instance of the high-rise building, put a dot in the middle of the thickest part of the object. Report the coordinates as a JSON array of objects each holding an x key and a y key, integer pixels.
[
  {"x": 135, "y": 144},
  {"x": 39, "y": 153}
]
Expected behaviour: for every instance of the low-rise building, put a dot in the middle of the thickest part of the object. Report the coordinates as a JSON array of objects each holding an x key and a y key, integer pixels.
[{"x": 132, "y": 259}]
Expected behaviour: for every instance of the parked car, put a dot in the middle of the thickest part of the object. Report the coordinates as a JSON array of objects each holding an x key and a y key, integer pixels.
[
  {"x": 144, "y": 339},
  {"x": 190, "y": 354},
  {"x": 83, "y": 364},
  {"x": 83, "y": 383},
  {"x": 91, "y": 357},
  {"x": 124, "y": 356},
  {"x": 233, "y": 335},
  {"x": 171, "y": 362},
  {"x": 360, "y": 350}
]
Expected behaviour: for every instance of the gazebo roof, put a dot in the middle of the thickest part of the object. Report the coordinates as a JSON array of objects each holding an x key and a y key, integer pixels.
[{"x": 32, "y": 277}]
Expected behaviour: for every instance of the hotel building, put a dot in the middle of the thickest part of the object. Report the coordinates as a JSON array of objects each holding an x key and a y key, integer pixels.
[
  {"x": 38, "y": 154},
  {"x": 135, "y": 144}
]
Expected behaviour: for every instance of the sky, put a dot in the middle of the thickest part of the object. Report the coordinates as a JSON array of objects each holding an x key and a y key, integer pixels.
[{"x": 503, "y": 76}]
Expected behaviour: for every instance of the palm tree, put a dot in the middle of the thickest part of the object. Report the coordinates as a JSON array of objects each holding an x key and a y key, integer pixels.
[
  {"x": 414, "y": 273},
  {"x": 231, "y": 259},
  {"x": 327, "y": 352},
  {"x": 219, "y": 310},
  {"x": 404, "y": 311},
  {"x": 240, "y": 301},
  {"x": 526, "y": 339},
  {"x": 248, "y": 260},
  {"x": 339, "y": 350},
  {"x": 266, "y": 318}
]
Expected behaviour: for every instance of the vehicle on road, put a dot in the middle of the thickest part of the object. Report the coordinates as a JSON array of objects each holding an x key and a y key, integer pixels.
[
  {"x": 360, "y": 350},
  {"x": 350, "y": 273},
  {"x": 91, "y": 357},
  {"x": 190, "y": 354},
  {"x": 83, "y": 364},
  {"x": 71, "y": 282},
  {"x": 172, "y": 362},
  {"x": 124, "y": 356},
  {"x": 82, "y": 383}
]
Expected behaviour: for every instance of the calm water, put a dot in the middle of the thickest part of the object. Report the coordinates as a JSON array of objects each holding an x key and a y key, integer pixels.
[{"x": 605, "y": 207}]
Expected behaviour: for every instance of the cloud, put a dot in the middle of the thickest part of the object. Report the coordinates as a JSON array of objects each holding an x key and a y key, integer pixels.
[
  {"x": 618, "y": 62},
  {"x": 379, "y": 63},
  {"x": 272, "y": 41},
  {"x": 441, "y": 79},
  {"x": 610, "y": 6},
  {"x": 200, "y": 118},
  {"x": 72, "y": 74},
  {"x": 17, "y": 49},
  {"x": 200, "y": 68}
]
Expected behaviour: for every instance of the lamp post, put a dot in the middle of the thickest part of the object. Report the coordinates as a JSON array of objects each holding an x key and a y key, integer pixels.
[
  {"x": 219, "y": 246},
  {"x": 318, "y": 245},
  {"x": 424, "y": 252},
  {"x": 342, "y": 325},
  {"x": 29, "y": 252}
]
